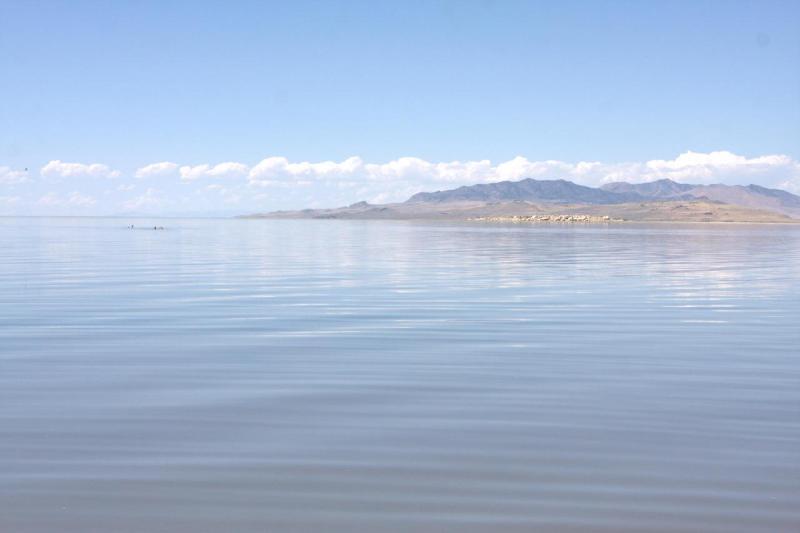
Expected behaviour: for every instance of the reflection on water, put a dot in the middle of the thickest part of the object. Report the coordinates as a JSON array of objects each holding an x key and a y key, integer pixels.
[{"x": 316, "y": 376}]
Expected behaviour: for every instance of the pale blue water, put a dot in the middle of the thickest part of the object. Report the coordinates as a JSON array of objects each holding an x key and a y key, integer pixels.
[{"x": 333, "y": 376}]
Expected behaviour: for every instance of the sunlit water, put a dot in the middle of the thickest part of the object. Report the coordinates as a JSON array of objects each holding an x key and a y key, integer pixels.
[{"x": 333, "y": 376}]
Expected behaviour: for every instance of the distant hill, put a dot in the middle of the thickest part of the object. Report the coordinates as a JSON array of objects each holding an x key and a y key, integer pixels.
[
  {"x": 663, "y": 200},
  {"x": 652, "y": 211},
  {"x": 651, "y": 189},
  {"x": 567, "y": 192},
  {"x": 530, "y": 190},
  {"x": 752, "y": 196}
]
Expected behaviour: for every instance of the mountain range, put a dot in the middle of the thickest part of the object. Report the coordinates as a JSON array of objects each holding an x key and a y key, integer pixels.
[
  {"x": 652, "y": 201},
  {"x": 567, "y": 192}
]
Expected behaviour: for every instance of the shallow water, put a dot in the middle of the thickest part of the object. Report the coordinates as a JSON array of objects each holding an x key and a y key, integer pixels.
[{"x": 340, "y": 376}]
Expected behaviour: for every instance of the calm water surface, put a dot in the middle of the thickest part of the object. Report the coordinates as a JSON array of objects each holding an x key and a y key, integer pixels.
[{"x": 333, "y": 376}]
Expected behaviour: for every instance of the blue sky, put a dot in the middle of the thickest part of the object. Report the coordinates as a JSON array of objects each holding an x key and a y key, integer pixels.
[{"x": 709, "y": 91}]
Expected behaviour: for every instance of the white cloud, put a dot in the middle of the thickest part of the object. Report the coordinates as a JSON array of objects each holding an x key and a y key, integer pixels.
[
  {"x": 718, "y": 159},
  {"x": 696, "y": 167},
  {"x": 164, "y": 168},
  {"x": 73, "y": 199},
  {"x": 60, "y": 169},
  {"x": 290, "y": 184},
  {"x": 227, "y": 194},
  {"x": 222, "y": 170},
  {"x": 150, "y": 198},
  {"x": 78, "y": 199},
  {"x": 414, "y": 168},
  {"x": 276, "y": 168},
  {"x": 717, "y": 166},
  {"x": 394, "y": 180},
  {"x": 793, "y": 186},
  {"x": 690, "y": 166},
  {"x": 12, "y": 177}
]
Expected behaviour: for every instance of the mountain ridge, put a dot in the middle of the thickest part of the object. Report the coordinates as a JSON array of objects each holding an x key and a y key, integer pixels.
[
  {"x": 567, "y": 192},
  {"x": 559, "y": 191},
  {"x": 661, "y": 200}
]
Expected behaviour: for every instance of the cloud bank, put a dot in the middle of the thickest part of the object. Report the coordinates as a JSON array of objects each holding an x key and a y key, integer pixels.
[
  {"x": 9, "y": 176},
  {"x": 165, "y": 168},
  {"x": 222, "y": 170},
  {"x": 406, "y": 175},
  {"x": 278, "y": 183},
  {"x": 60, "y": 169},
  {"x": 694, "y": 167},
  {"x": 73, "y": 199}
]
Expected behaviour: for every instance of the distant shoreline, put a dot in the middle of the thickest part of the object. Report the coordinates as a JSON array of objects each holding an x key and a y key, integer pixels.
[
  {"x": 551, "y": 219},
  {"x": 560, "y": 201},
  {"x": 696, "y": 212}
]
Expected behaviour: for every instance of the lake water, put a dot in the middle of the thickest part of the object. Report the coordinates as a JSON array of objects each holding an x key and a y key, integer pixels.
[{"x": 350, "y": 376}]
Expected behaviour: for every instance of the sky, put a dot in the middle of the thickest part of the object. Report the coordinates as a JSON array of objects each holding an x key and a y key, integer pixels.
[{"x": 220, "y": 108}]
